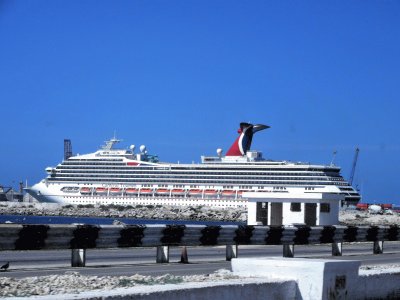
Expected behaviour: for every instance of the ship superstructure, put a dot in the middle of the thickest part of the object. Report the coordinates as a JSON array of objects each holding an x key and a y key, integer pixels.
[{"x": 123, "y": 177}]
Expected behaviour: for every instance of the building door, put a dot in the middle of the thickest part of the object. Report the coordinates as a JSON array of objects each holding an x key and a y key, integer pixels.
[
  {"x": 310, "y": 214},
  {"x": 262, "y": 213},
  {"x": 276, "y": 214}
]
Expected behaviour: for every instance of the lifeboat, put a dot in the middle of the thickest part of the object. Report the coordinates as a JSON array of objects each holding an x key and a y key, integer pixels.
[
  {"x": 195, "y": 192},
  {"x": 146, "y": 191},
  {"x": 240, "y": 192},
  {"x": 210, "y": 192},
  {"x": 86, "y": 190},
  {"x": 163, "y": 191},
  {"x": 115, "y": 191},
  {"x": 228, "y": 193},
  {"x": 178, "y": 191},
  {"x": 101, "y": 190},
  {"x": 131, "y": 191}
]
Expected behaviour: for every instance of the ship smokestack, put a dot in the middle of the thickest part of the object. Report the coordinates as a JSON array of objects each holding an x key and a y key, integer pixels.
[{"x": 243, "y": 143}]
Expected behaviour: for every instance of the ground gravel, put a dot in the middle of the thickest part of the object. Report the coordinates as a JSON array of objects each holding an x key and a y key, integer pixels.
[{"x": 73, "y": 283}]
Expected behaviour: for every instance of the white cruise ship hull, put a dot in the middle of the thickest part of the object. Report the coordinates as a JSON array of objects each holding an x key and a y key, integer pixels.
[
  {"x": 51, "y": 194},
  {"x": 123, "y": 177}
]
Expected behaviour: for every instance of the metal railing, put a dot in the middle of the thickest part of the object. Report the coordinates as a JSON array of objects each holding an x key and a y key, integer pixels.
[{"x": 82, "y": 237}]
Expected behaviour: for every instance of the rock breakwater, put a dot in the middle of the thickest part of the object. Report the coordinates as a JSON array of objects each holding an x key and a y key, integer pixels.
[
  {"x": 166, "y": 212},
  {"x": 156, "y": 212}
]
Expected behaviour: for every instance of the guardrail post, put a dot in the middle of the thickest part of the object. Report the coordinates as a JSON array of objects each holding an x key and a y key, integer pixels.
[
  {"x": 288, "y": 250},
  {"x": 162, "y": 254},
  {"x": 337, "y": 249},
  {"x": 184, "y": 256},
  {"x": 78, "y": 258},
  {"x": 231, "y": 252},
  {"x": 378, "y": 247}
]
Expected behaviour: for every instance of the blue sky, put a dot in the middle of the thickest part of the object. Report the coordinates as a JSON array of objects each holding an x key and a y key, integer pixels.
[{"x": 179, "y": 77}]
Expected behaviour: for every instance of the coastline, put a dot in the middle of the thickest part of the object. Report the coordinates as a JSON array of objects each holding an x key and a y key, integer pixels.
[
  {"x": 157, "y": 212},
  {"x": 181, "y": 213}
]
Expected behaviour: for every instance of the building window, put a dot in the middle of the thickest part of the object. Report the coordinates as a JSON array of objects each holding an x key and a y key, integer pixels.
[
  {"x": 325, "y": 207},
  {"x": 295, "y": 206}
]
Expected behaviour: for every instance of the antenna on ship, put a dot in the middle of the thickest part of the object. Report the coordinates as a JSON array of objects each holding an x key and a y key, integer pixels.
[
  {"x": 110, "y": 143},
  {"x": 333, "y": 157}
]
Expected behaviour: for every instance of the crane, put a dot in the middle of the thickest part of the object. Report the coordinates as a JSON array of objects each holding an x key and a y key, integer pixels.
[{"x": 353, "y": 168}]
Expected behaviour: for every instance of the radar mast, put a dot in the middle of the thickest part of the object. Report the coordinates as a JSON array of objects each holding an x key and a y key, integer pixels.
[{"x": 110, "y": 143}]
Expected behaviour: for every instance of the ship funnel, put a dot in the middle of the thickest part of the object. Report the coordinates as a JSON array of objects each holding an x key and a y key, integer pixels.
[{"x": 243, "y": 143}]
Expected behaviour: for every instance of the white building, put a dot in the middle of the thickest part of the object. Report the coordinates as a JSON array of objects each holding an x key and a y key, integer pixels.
[{"x": 311, "y": 206}]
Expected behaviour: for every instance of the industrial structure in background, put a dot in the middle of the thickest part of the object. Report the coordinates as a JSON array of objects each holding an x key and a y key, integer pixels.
[
  {"x": 9, "y": 194},
  {"x": 67, "y": 149},
  {"x": 353, "y": 167}
]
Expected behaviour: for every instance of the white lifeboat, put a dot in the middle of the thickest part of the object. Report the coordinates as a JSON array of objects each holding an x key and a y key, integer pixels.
[
  {"x": 195, "y": 192},
  {"x": 115, "y": 191},
  {"x": 228, "y": 193},
  {"x": 146, "y": 191},
  {"x": 210, "y": 192},
  {"x": 240, "y": 192},
  {"x": 163, "y": 191},
  {"x": 131, "y": 191},
  {"x": 178, "y": 191},
  {"x": 101, "y": 191}
]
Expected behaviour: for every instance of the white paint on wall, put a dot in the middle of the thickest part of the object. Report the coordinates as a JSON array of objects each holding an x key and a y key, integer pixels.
[{"x": 325, "y": 196}]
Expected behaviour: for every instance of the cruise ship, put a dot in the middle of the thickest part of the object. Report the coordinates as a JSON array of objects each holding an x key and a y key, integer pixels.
[{"x": 129, "y": 177}]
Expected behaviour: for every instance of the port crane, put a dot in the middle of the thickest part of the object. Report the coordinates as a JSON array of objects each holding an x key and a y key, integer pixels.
[{"x": 353, "y": 168}]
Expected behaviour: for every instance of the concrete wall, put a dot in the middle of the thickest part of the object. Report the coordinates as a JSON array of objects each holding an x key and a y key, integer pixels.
[
  {"x": 303, "y": 195},
  {"x": 369, "y": 285},
  {"x": 379, "y": 285},
  {"x": 324, "y": 278},
  {"x": 251, "y": 213},
  {"x": 233, "y": 289},
  {"x": 331, "y": 218},
  {"x": 290, "y": 217},
  {"x": 296, "y": 217},
  {"x": 316, "y": 278}
]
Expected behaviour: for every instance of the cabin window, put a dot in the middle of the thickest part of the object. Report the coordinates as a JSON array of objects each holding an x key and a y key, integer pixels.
[
  {"x": 296, "y": 206},
  {"x": 325, "y": 207}
]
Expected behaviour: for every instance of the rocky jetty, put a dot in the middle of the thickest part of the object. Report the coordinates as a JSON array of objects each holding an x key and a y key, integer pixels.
[
  {"x": 360, "y": 218},
  {"x": 156, "y": 212}
]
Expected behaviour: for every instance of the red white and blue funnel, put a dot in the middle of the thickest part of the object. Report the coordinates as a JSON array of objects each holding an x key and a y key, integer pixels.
[{"x": 243, "y": 142}]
